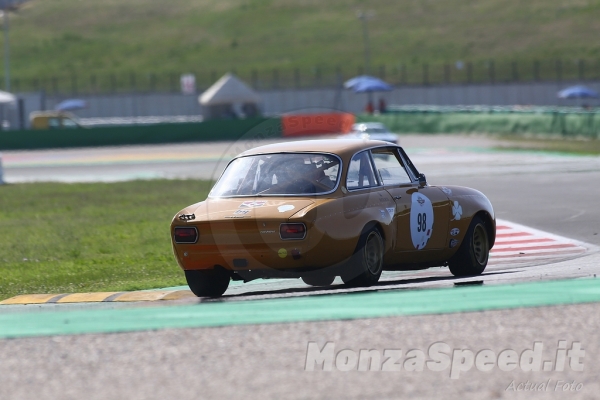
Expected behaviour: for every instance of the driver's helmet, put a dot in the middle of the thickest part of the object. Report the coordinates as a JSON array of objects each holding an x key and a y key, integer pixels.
[{"x": 293, "y": 168}]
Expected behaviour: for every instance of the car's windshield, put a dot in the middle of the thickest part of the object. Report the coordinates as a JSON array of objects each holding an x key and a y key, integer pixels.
[{"x": 279, "y": 174}]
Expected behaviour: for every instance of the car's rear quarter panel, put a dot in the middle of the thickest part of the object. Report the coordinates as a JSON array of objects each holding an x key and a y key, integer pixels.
[
  {"x": 472, "y": 202},
  {"x": 338, "y": 223}
]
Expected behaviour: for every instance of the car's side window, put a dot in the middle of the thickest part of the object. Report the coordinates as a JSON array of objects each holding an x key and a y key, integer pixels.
[
  {"x": 360, "y": 172},
  {"x": 69, "y": 123},
  {"x": 389, "y": 167},
  {"x": 53, "y": 123}
]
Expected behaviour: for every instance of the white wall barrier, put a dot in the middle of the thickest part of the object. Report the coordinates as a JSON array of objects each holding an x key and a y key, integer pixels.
[{"x": 281, "y": 101}]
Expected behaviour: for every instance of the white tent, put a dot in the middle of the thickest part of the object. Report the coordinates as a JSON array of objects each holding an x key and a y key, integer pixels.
[
  {"x": 6, "y": 97},
  {"x": 229, "y": 89},
  {"x": 229, "y": 97}
]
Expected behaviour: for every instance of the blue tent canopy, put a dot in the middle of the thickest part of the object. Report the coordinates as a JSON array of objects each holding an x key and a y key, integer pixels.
[
  {"x": 577, "y": 92},
  {"x": 71, "y": 105},
  {"x": 366, "y": 83}
]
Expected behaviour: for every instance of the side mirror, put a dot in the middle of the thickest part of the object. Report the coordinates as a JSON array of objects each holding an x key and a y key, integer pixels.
[{"x": 422, "y": 180}]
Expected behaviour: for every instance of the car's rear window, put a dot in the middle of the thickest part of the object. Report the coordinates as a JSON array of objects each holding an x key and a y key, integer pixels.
[{"x": 279, "y": 174}]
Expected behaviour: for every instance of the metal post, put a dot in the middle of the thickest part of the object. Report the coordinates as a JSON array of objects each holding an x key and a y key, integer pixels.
[
  {"x": 364, "y": 16},
  {"x": 470, "y": 72},
  {"x": 21, "y": 105},
  {"x": 1, "y": 172},
  {"x": 6, "y": 50},
  {"x": 255, "y": 79},
  {"x": 297, "y": 78},
  {"x": 403, "y": 78},
  {"x": 275, "y": 81},
  {"x": 515, "y": 72}
]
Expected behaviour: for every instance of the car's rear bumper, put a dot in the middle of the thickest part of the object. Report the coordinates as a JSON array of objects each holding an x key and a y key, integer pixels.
[{"x": 286, "y": 257}]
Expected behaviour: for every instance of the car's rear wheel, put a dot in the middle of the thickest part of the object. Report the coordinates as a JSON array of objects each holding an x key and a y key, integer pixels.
[
  {"x": 474, "y": 252},
  {"x": 317, "y": 279},
  {"x": 208, "y": 283},
  {"x": 366, "y": 264}
]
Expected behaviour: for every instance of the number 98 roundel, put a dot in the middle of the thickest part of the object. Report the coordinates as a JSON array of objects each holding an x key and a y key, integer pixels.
[{"x": 421, "y": 220}]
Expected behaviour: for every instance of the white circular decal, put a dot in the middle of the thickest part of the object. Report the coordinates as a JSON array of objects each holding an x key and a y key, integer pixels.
[
  {"x": 421, "y": 220},
  {"x": 286, "y": 207}
]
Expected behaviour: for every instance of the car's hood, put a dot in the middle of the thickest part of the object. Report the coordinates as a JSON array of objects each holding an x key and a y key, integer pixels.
[{"x": 247, "y": 208}]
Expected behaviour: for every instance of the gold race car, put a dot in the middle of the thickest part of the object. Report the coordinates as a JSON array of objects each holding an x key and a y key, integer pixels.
[{"x": 318, "y": 209}]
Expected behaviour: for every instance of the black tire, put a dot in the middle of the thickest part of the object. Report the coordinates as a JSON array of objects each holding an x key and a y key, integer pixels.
[
  {"x": 318, "y": 279},
  {"x": 208, "y": 283},
  {"x": 474, "y": 252},
  {"x": 366, "y": 264}
]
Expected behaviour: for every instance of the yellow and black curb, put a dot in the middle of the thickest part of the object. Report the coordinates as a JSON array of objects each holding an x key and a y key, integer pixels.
[{"x": 99, "y": 297}]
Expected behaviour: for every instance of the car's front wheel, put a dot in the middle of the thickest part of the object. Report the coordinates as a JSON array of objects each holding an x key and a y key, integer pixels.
[
  {"x": 208, "y": 283},
  {"x": 366, "y": 264},
  {"x": 474, "y": 252}
]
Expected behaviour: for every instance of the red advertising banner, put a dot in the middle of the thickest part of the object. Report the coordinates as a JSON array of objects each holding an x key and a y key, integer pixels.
[{"x": 316, "y": 124}]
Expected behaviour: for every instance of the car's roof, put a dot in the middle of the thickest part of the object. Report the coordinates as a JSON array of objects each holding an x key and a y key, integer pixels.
[
  {"x": 336, "y": 146},
  {"x": 51, "y": 113}
]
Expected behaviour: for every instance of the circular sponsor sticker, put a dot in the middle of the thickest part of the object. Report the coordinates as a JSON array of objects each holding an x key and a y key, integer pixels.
[
  {"x": 421, "y": 220},
  {"x": 285, "y": 207}
]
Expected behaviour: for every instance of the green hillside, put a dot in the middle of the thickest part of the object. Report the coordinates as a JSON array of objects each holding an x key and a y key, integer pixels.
[{"x": 84, "y": 37}]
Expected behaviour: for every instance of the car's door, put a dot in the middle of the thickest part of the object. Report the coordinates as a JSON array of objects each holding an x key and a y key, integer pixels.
[{"x": 422, "y": 212}]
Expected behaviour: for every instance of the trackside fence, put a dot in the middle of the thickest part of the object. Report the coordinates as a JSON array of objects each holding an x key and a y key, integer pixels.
[{"x": 565, "y": 122}]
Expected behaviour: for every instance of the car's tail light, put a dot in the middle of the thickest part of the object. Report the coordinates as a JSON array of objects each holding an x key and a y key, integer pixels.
[
  {"x": 185, "y": 234},
  {"x": 292, "y": 231}
]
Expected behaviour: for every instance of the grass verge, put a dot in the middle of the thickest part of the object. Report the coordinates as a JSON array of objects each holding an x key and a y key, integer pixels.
[
  {"x": 63, "y": 238},
  {"x": 91, "y": 39},
  {"x": 559, "y": 145}
]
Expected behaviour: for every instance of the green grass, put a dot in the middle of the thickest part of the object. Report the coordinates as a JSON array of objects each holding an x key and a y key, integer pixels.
[
  {"x": 545, "y": 143},
  {"x": 63, "y": 238},
  {"x": 61, "y": 37}
]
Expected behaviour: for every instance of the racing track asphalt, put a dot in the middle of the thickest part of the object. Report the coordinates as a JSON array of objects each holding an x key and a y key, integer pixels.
[
  {"x": 555, "y": 193},
  {"x": 549, "y": 192}
]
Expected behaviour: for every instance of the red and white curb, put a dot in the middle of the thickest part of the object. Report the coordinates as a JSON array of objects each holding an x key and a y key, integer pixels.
[{"x": 517, "y": 243}]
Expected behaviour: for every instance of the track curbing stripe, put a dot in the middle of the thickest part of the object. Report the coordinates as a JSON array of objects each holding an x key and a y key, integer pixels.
[
  {"x": 94, "y": 297},
  {"x": 179, "y": 294},
  {"x": 112, "y": 297},
  {"x": 56, "y": 298},
  {"x": 149, "y": 295},
  {"x": 313, "y": 308},
  {"x": 29, "y": 299}
]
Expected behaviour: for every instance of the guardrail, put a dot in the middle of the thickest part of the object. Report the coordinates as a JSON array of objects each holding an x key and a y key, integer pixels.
[
  {"x": 426, "y": 108},
  {"x": 141, "y": 134},
  {"x": 563, "y": 121},
  {"x": 212, "y": 130}
]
